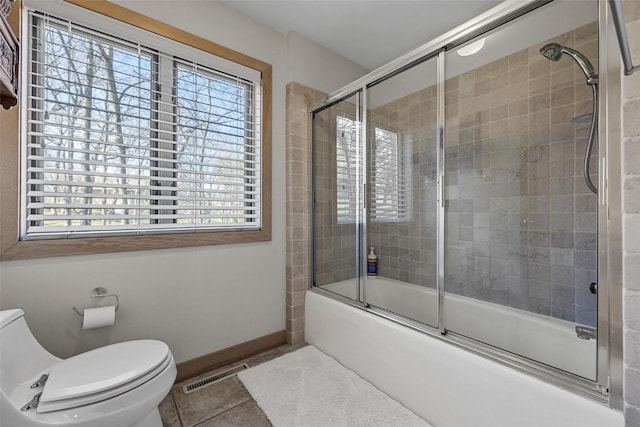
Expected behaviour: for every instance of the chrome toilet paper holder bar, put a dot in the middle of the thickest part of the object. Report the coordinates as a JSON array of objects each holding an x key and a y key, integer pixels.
[{"x": 98, "y": 294}]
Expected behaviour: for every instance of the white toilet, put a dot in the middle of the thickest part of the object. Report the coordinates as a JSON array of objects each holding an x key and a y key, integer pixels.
[{"x": 119, "y": 385}]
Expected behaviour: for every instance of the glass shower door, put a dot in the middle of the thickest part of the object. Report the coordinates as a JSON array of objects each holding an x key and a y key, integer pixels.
[
  {"x": 488, "y": 234},
  {"x": 402, "y": 187},
  {"x": 520, "y": 224},
  {"x": 337, "y": 156}
]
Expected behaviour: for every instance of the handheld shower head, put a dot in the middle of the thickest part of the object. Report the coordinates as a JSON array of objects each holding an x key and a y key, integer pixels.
[{"x": 554, "y": 51}]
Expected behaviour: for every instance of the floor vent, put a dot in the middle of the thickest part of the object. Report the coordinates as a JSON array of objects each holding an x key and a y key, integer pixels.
[{"x": 212, "y": 379}]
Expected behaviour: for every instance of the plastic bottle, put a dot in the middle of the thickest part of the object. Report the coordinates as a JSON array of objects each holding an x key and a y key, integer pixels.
[{"x": 372, "y": 263}]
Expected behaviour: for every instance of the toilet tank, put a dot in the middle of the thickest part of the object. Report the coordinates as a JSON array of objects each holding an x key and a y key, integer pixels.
[{"x": 21, "y": 356}]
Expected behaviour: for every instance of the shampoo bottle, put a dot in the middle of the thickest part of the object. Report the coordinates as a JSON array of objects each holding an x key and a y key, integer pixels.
[{"x": 372, "y": 263}]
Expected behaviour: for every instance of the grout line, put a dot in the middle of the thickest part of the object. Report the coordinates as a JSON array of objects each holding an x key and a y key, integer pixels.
[
  {"x": 280, "y": 351},
  {"x": 175, "y": 405},
  {"x": 225, "y": 411}
]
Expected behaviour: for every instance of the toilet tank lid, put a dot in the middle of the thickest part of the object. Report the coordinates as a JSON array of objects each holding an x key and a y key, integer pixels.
[{"x": 8, "y": 316}]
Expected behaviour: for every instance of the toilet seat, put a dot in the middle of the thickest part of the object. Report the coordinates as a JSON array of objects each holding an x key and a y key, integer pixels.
[{"x": 103, "y": 373}]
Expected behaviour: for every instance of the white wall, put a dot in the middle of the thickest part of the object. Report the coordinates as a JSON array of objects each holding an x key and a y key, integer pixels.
[
  {"x": 198, "y": 300},
  {"x": 317, "y": 67}
]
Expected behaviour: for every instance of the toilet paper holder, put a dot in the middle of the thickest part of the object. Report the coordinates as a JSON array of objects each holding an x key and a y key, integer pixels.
[{"x": 98, "y": 294}]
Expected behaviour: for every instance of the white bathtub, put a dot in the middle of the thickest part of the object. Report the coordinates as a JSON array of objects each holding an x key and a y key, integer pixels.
[
  {"x": 444, "y": 384},
  {"x": 541, "y": 338}
]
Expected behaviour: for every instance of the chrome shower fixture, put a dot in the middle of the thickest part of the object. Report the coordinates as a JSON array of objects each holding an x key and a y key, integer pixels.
[{"x": 554, "y": 51}]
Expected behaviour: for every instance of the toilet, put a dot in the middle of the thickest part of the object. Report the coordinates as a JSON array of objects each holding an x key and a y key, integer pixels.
[{"x": 119, "y": 385}]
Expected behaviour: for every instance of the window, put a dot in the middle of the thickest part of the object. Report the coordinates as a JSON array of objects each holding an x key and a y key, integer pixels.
[
  {"x": 390, "y": 174},
  {"x": 151, "y": 195},
  {"x": 126, "y": 139},
  {"x": 391, "y": 177},
  {"x": 347, "y": 160}
]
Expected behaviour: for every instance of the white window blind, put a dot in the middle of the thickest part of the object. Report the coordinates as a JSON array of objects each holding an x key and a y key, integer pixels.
[
  {"x": 124, "y": 139},
  {"x": 390, "y": 173},
  {"x": 391, "y": 177},
  {"x": 347, "y": 160}
]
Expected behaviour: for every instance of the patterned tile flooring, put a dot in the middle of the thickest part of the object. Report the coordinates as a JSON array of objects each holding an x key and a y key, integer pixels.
[{"x": 225, "y": 403}]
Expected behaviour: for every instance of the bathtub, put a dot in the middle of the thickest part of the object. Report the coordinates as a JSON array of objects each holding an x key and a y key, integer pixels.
[
  {"x": 537, "y": 337},
  {"x": 442, "y": 383}
]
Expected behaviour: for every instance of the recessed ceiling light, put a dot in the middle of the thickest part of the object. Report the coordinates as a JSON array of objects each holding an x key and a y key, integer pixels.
[{"x": 471, "y": 48}]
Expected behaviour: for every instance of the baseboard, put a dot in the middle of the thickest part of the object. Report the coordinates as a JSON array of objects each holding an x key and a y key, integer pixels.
[{"x": 202, "y": 364}]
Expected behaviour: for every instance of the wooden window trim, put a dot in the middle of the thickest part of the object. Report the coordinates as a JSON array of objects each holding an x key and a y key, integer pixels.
[{"x": 12, "y": 248}]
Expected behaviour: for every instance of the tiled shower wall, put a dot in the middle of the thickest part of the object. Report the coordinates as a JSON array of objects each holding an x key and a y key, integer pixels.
[
  {"x": 407, "y": 250},
  {"x": 298, "y": 257},
  {"x": 631, "y": 225},
  {"x": 521, "y": 223},
  {"x": 335, "y": 241}
]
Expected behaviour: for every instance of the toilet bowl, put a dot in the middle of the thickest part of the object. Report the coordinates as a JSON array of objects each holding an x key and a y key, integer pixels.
[{"x": 119, "y": 385}]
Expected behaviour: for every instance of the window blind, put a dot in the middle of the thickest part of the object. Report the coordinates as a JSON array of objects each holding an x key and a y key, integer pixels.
[
  {"x": 391, "y": 177},
  {"x": 347, "y": 160},
  {"x": 124, "y": 139},
  {"x": 390, "y": 173}
]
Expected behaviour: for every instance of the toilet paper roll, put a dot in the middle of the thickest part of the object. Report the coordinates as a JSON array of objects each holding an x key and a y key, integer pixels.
[{"x": 99, "y": 317}]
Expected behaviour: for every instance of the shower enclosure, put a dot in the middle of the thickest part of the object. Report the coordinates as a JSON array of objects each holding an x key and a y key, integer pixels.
[{"x": 474, "y": 177}]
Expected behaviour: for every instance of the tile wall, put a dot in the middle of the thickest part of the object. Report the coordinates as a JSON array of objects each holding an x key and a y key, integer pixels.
[
  {"x": 335, "y": 240},
  {"x": 298, "y": 257},
  {"x": 407, "y": 249},
  {"x": 631, "y": 221},
  {"x": 521, "y": 223}
]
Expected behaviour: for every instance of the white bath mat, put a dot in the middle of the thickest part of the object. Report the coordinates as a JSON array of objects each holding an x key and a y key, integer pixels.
[{"x": 307, "y": 388}]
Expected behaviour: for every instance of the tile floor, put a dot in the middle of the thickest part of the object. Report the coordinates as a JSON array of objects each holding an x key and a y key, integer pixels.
[{"x": 225, "y": 403}]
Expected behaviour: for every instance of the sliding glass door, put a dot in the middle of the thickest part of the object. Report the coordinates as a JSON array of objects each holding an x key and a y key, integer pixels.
[
  {"x": 461, "y": 175},
  {"x": 402, "y": 178},
  {"x": 337, "y": 197}
]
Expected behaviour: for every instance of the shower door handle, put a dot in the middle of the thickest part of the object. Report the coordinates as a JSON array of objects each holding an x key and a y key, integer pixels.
[
  {"x": 593, "y": 288},
  {"x": 364, "y": 196}
]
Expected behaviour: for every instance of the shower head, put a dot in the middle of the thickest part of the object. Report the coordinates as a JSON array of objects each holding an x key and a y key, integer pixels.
[{"x": 554, "y": 51}]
